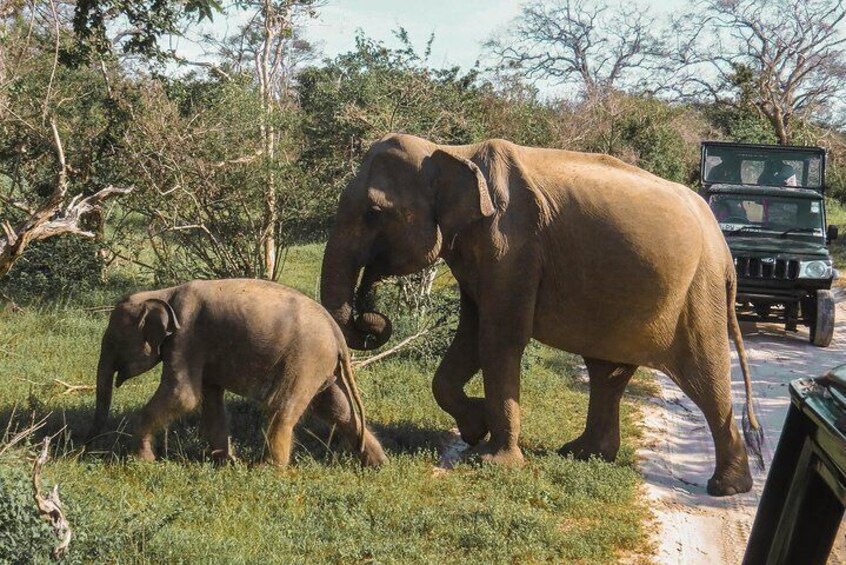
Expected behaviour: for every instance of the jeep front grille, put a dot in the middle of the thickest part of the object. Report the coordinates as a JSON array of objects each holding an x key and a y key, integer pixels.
[{"x": 758, "y": 268}]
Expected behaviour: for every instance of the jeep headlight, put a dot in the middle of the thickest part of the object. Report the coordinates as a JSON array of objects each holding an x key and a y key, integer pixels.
[{"x": 815, "y": 269}]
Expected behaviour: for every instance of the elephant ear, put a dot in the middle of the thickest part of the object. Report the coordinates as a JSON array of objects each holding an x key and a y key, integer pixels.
[
  {"x": 158, "y": 321},
  {"x": 461, "y": 193}
]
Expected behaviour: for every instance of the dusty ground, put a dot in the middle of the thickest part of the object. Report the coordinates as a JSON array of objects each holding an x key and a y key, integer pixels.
[{"x": 692, "y": 527}]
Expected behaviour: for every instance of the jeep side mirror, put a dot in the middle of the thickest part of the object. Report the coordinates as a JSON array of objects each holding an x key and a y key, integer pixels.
[{"x": 831, "y": 233}]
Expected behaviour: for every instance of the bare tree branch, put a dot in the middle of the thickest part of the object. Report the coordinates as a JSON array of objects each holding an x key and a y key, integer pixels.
[
  {"x": 71, "y": 388},
  {"x": 360, "y": 363},
  {"x": 785, "y": 58},
  {"x": 584, "y": 43},
  {"x": 54, "y": 217}
]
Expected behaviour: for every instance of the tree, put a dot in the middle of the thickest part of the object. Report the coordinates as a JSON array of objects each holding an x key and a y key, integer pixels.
[
  {"x": 268, "y": 50},
  {"x": 274, "y": 26},
  {"x": 103, "y": 28},
  {"x": 201, "y": 177},
  {"x": 586, "y": 44},
  {"x": 784, "y": 58},
  {"x": 44, "y": 191}
]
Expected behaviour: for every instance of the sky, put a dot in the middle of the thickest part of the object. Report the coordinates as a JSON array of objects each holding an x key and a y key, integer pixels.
[{"x": 460, "y": 26}]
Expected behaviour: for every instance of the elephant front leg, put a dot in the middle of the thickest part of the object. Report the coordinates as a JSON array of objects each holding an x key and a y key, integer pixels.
[
  {"x": 501, "y": 373},
  {"x": 506, "y": 322},
  {"x": 172, "y": 399},
  {"x": 602, "y": 430},
  {"x": 458, "y": 366},
  {"x": 213, "y": 423}
]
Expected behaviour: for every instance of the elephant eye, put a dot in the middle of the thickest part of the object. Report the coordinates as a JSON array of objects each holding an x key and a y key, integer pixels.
[{"x": 373, "y": 216}]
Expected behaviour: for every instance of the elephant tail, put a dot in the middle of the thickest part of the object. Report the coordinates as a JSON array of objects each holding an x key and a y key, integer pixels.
[
  {"x": 353, "y": 397},
  {"x": 753, "y": 433}
]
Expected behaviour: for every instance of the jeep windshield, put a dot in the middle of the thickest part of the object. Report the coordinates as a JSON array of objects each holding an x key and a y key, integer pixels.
[
  {"x": 768, "y": 215},
  {"x": 762, "y": 166}
]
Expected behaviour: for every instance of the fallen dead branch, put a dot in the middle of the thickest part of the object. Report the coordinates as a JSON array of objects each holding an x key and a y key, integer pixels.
[
  {"x": 13, "y": 306},
  {"x": 70, "y": 388},
  {"x": 49, "y": 506},
  {"x": 359, "y": 363}
]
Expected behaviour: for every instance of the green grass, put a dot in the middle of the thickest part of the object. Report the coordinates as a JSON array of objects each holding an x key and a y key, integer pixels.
[
  {"x": 836, "y": 214},
  {"x": 301, "y": 268},
  {"x": 324, "y": 509}
]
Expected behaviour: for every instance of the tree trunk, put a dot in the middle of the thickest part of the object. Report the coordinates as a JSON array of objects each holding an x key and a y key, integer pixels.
[
  {"x": 779, "y": 122},
  {"x": 265, "y": 69}
]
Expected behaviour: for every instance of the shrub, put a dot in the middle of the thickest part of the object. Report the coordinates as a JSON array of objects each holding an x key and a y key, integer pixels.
[
  {"x": 55, "y": 267},
  {"x": 24, "y": 536}
]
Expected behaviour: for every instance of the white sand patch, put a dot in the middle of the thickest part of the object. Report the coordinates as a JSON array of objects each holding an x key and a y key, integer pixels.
[{"x": 692, "y": 527}]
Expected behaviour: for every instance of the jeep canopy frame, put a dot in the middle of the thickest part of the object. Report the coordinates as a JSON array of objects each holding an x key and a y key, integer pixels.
[{"x": 755, "y": 161}]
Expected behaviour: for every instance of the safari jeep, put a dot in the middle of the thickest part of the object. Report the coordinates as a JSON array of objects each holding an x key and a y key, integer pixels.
[{"x": 769, "y": 202}]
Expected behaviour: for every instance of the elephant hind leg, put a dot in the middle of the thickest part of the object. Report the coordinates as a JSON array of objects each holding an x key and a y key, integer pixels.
[
  {"x": 289, "y": 403},
  {"x": 601, "y": 437},
  {"x": 707, "y": 382},
  {"x": 333, "y": 407}
]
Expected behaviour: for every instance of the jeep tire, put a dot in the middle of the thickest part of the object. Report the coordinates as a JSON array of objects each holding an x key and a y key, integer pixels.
[{"x": 822, "y": 325}]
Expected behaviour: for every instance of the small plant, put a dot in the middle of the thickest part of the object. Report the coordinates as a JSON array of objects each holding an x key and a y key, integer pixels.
[{"x": 24, "y": 536}]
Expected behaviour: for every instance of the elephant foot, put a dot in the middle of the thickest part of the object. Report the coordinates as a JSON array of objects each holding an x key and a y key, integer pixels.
[
  {"x": 505, "y": 456},
  {"x": 730, "y": 483},
  {"x": 583, "y": 449},
  {"x": 145, "y": 453},
  {"x": 373, "y": 458},
  {"x": 471, "y": 424}
]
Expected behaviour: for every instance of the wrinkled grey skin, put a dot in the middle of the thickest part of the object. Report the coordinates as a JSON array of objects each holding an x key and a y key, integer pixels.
[
  {"x": 257, "y": 339},
  {"x": 581, "y": 252}
]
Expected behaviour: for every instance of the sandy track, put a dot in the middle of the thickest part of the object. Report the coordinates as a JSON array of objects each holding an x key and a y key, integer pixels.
[{"x": 692, "y": 527}]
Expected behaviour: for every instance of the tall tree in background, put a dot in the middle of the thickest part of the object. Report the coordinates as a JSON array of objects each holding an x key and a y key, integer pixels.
[
  {"x": 272, "y": 36},
  {"x": 784, "y": 58},
  {"x": 586, "y": 44},
  {"x": 48, "y": 187}
]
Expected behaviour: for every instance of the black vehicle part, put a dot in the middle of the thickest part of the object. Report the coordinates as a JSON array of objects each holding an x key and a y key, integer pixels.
[
  {"x": 755, "y": 268},
  {"x": 805, "y": 493}
]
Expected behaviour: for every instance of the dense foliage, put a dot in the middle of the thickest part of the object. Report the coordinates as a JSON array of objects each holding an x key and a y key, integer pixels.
[{"x": 194, "y": 149}]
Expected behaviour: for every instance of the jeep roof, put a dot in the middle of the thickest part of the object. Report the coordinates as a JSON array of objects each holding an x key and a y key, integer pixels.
[
  {"x": 748, "y": 164},
  {"x": 781, "y": 191}
]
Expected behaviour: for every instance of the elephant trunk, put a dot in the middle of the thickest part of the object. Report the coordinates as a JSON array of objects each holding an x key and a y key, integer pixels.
[
  {"x": 105, "y": 373},
  {"x": 363, "y": 328}
]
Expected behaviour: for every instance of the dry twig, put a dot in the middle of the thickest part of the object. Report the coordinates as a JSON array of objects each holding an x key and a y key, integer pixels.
[
  {"x": 20, "y": 435},
  {"x": 99, "y": 309},
  {"x": 69, "y": 388},
  {"x": 358, "y": 364},
  {"x": 49, "y": 506}
]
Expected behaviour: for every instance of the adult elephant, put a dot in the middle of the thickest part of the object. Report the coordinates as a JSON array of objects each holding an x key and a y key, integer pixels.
[{"x": 582, "y": 252}]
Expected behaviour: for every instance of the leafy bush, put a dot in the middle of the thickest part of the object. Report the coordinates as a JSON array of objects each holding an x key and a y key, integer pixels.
[
  {"x": 55, "y": 267},
  {"x": 660, "y": 149},
  {"x": 24, "y": 536},
  {"x": 437, "y": 312}
]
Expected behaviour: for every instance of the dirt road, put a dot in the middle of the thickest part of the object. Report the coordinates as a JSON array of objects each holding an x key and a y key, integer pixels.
[{"x": 692, "y": 527}]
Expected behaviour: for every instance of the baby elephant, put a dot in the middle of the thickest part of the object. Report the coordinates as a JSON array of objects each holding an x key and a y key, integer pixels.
[{"x": 258, "y": 339}]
